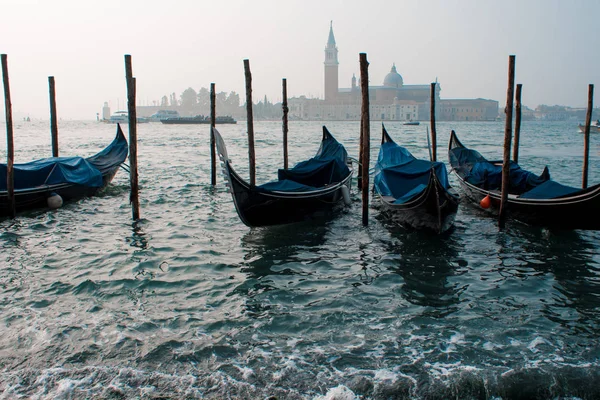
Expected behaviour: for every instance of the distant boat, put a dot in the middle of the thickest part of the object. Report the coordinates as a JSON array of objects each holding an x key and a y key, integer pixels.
[
  {"x": 411, "y": 123},
  {"x": 199, "y": 119},
  {"x": 594, "y": 127},
  {"x": 163, "y": 114},
  {"x": 123, "y": 117}
]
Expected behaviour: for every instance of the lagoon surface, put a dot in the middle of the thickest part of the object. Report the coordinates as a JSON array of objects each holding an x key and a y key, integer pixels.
[{"x": 190, "y": 303}]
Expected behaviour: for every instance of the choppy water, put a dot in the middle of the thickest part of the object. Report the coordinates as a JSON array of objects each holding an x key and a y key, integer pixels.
[{"x": 190, "y": 303}]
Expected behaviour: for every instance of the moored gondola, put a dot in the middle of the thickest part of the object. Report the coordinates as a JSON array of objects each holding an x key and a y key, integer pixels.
[
  {"x": 413, "y": 192},
  {"x": 311, "y": 189},
  {"x": 535, "y": 200},
  {"x": 62, "y": 178}
]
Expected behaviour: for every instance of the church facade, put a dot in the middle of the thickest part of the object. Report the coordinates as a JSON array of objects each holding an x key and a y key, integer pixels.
[{"x": 393, "y": 100}]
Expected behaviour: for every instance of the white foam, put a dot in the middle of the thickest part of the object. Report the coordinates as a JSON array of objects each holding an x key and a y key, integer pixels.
[{"x": 340, "y": 392}]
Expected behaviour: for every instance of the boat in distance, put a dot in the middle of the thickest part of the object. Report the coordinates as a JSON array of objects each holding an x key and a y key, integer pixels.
[
  {"x": 123, "y": 117},
  {"x": 412, "y": 192},
  {"x": 163, "y": 114},
  {"x": 532, "y": 199},
  {"x": 412, "y": 123},
  {"x": 311, "y": 189},
  {"x": 71, "y": 178},
  {"x": 594, "y": 127},
  {"x": 199, "y": 119}
]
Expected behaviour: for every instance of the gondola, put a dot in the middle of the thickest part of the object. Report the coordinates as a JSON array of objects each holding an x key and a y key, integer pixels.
[
  {"x": 311, "y": 189},
  {"x": 38, "y": 183},
  {"x": 533, "y": 199},
  {"x": 413, "y": 192}
]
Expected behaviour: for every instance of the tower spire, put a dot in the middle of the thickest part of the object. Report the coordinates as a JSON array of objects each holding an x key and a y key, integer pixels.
[{"x": 331, "y": 67}]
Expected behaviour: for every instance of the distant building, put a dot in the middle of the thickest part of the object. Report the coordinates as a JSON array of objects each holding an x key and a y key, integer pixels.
[
  {"x": 393, "y": 100},
  {"x": 468, "y": 110}
]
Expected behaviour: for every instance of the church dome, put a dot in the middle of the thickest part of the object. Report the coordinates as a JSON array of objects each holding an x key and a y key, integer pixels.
[{"x": 393, "y": 79}]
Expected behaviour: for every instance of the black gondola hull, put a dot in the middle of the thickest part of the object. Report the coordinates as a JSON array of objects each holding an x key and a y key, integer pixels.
[
  {"x": 578, "y": 211},
  {"x": 107, "y": 162},
  {"x": 433, "y": 210},
  {"x": 38, "y": 198},
  {"x": 256, "y": 208}
]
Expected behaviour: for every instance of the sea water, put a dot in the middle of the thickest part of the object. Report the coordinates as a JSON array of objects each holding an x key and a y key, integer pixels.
[{"x": 190, "y": 303}]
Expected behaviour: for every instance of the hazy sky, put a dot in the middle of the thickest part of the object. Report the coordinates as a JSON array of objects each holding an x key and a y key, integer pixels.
[{"x": 178, "y": 44}]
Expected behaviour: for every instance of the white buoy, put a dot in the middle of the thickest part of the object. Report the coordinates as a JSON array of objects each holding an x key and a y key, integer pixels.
[
  {"x": 346, "y": 195},
  {"x": 55, "y": 201}
]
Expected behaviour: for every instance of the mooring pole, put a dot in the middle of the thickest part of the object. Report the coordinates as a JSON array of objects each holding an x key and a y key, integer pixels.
[
  {"x": 10, "y": 147},
  {"x": 133, "y": 168},
  {"x": 510, "y": 92},
  {"x": 250, "y": 122},
  {"x": 517, "y": 123},
  {"x": 432, "y": 122},
  {"x": 284, "y": 106},
  {"x": 53, "y": 118},
  {"x": 586, "y": 136},
  {"x": 213, "y": 151},
  {"x": 366, "y": 136},
  {"x": 360, "y": 154}
]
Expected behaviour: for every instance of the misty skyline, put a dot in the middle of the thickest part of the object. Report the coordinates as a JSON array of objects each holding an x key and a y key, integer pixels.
[{"x": 182, "y": 44}]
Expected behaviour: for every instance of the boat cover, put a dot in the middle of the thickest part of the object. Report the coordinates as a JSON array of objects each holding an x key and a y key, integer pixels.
[
  {"x": 327, "y": 167},
  {"x": 75, "y": 170},
  {"x": 527, "y": 185},
  {"x": 486, "y": 175},
  {"x": 550, "y": 190},
  {"x": 400, "y": 175},
  {"x": 52, "y": 171}
]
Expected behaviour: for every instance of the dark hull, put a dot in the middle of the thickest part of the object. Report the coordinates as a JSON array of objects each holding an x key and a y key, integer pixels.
[
  {"x": 276, "y": 208},
  {"x": 38, "y": 198},
  {"x": 580, "y": 211},
  {"x": 193, "y": 122},
  {"x": 433, "y": 210}
]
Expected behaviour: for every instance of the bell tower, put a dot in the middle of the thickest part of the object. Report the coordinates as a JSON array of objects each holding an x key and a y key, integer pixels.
[{"x": 331, "y": 67}]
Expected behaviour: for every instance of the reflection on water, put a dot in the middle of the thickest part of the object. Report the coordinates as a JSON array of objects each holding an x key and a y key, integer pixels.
[{"x": 427, "y": 264}]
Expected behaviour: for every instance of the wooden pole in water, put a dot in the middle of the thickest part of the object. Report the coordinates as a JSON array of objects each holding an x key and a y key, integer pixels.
[
  {"x": 10, "y": 147},
  {"x": 53, "y": 119},
  {"x": 360, "y": 154},
  {"x": 366, "y": 136},
  {"x": 517, "y": 123},
  {"x": 133, "y": 170},
  {"x": 213, "y": 151},
  {"x": 510, "y": 92},
  {"x": 284, "y": 106},
  {"x": 250, "y": 122},
  {"x": 432, "y": 122},
  {"x": 586, "y": 136}
]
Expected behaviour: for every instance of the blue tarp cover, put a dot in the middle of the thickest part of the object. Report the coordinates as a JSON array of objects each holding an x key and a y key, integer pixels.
[
  {"x": 400, "y": 175},
  {"x": 526, "y": 184},
  {"x": 51, "y": 171},
  {"x": 326, "y": 167},
  {"x": 550, "y": 190}
]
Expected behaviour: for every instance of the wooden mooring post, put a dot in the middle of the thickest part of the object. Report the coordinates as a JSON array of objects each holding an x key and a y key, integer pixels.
[
  {"x": 517, "y": 123},
  {"x": 213, "y": 150},
  {"x": 53, "y": 117},
  {"x": 365, "y": 136},
  {"x": 586, "y": 136},
  {"x": 250, "y": 122},
  {"x": 284, "y": 106},
  {"x": 510, "y": 92},
  {"x": 133, "y": 169},
  {"x": 432, "y": 122},
  {"x": 10, "y": 147}
]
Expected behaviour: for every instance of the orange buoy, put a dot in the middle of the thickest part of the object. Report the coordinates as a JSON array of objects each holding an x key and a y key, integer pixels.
[{"x": 486, "y": 202}]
